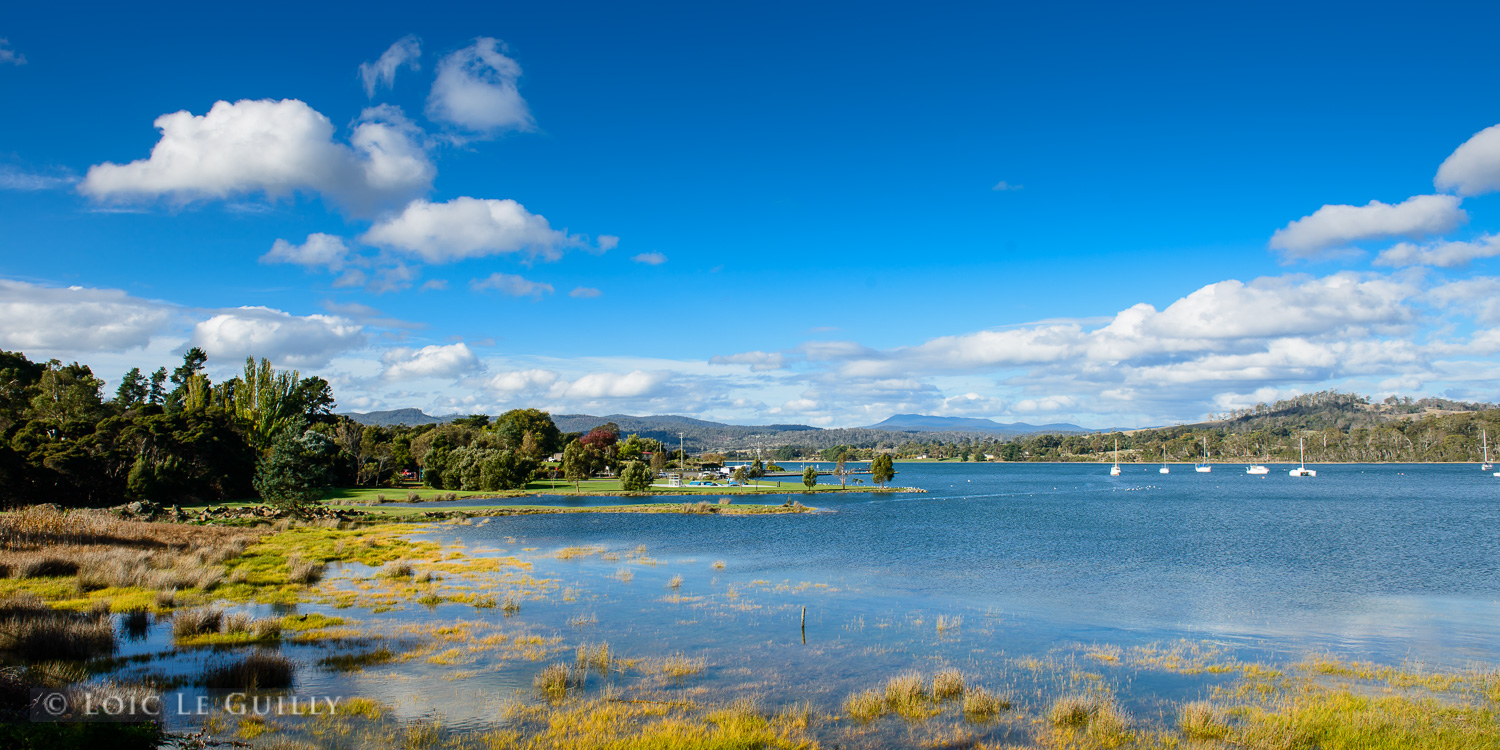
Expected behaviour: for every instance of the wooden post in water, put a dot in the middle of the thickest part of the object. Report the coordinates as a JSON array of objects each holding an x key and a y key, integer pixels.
[{"x": 804, "y": 624}]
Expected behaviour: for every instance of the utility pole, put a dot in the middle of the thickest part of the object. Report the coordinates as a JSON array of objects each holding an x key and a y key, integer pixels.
[{"x": 681, "y": 448}]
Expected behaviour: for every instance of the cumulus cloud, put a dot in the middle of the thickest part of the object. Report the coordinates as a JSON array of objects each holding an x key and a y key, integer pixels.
[
  {"x": 404, "y": 52},
  {"x": 9, "y": 55},
  {"x": 470, "y": 228},
  {"x": 76, "y": 319},
  {"x": 1440, "y": 254},
  {"x": 608, "y": 242},
  {"x": 434, "y": 361},
  {"x": 511, "y": 285},
  {"x": 1336, "y": 227},
  {"x": 476, "y": 91},
  {"x": 1477, "y": 297},
  {"x": 1474, "y": 167},
  {"x": 757, "y": 360},
  {"x": 1228, "y": 315},
  {"x": 611, "y": 385},
  {"x": 515, "y": 382},
  {"x": 584, "y": 292},
  {"x": 318, "y": 251},
  {"x": 275, "y": 148},
  {"x": 650, "y": 259},
  {"x": 1003, "y": 186},
  {"x": 283, "y": 338}
]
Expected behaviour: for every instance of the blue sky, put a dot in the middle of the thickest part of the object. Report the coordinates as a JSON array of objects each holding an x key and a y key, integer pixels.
[{"x": 767, "y": 212}]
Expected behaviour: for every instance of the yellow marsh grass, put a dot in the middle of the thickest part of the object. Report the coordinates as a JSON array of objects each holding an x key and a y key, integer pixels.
[
  {"x": 947, "y": 685},
  {"x": 678, "y": 666}
]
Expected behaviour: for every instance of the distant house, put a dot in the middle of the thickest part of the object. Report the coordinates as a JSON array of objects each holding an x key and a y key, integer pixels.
[{"x": 555, "y": 457}]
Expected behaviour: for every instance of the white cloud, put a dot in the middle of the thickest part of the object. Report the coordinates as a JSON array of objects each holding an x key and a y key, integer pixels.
[
  {"x": 318, "y": 251},
  {"x": 611, "y": 385},
  {"x": 650, "y": 259},
  {"x": 76, "y": 319},
  {"x": 1478, "y": 298},
  {"x": 585, "y": 292},
  {"x": 273, "y": 147},
  {"x": 608, "y": 242},
  {"x": 512, "y": 285},
  {"x": 9, "y": 55},
  {"x": 1474, "y": 167},
  {"x": 1335, "y": 227},
  {"x": 286, "y": 339},
  {"x": 12, "y": 178},
  {"x": 405, "y": 52},
  {"x": 434, "y": 361},
  {"x": 514, "y": 382},
  {"x": 758, "y": 361},
  {"x": 476, "y": 91},
  {"x": 1003, "y": 186},
  {"x": 469, "y": 228},
  {"x": 1440, "y": 254}
]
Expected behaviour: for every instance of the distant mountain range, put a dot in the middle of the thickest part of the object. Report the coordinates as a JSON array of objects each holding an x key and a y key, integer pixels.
[
  {"x": 701, "y": 434},
  {"x": 408, "y": 417},
  {"x": 924, "y": 423}
]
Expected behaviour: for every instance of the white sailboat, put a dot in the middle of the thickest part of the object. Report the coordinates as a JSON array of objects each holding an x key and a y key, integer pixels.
[
  {"x": 1114, "y": 471},
  {"x": 1204, "y": 468},
  {"x": 1164, "y": 469},
  {"x": 1485, "y": 438},
  {"x": 1257, "y": 469},
  {"x": 1302, "y": 470}
]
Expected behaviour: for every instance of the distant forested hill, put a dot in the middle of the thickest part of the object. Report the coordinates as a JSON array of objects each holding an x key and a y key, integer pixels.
[{"x": 408, "y": 417}]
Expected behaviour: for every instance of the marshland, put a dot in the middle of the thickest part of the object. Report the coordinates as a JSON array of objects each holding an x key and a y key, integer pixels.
[{"x": 1043, "y": 606}]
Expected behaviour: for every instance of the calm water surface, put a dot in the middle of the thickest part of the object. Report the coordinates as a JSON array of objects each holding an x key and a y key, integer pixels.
[{"x": 1381, "y": 563}]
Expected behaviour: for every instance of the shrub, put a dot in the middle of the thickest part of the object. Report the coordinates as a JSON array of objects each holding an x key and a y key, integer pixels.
[
  {"x": 305, "y": 572},
  {"x": 396, "y": 569},
  {"x": 981, "y": 706}
]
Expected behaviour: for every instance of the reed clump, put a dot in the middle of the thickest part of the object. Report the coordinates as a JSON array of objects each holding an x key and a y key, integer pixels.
[
  {"x": 555, "y": 680},
  {"x": 981, "y": 706},
  {"x": 258, "y": 670},
  {"x": 397, "y": 570},
  {"x": 678, "y": 666},
  {"x": 305, "y": 572},
  {"x": 947, "y": 685},
  {"x": 198, "y": 621},
  {"x": 595, "y": 657},
  {"x": 1204, "y": 721},
  {"x": 33, "y": 632},
  {"x": 358, "y": 661}
]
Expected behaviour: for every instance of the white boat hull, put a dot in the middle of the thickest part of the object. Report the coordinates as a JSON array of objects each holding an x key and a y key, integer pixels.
[
  {"x": 1257, "y": 470},
  {"x": 1114, "y": 471},
  {"x": 1302, "y": 473},
  {"x": 1204, "y": 469},
  {"x": 1164, "y": 470}
]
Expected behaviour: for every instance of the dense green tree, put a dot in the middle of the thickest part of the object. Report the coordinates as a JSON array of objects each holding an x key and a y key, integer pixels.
[
  {"x": 18, "y": 375},
  {"x": 133, "y": 390},
  {"x": 192, "y": 364},
  {"x": 658, "y": 462},
  {"x": 882, "y": 469},
  {"x": 756, "y": 470},
  {"x": 158, "y": 392},
  {"x": 477, "y": 421},
  {"x": 810, "y": 476},
  {"x": 66, "y": 393},
  {"x": 313, "y": 398},
  {"x": 575, "y": 463},
  {"x": 266, "y": 402},
  {"x": 295, "y": 473},
  {"x": 636, "y": 477},
  {"x": 515, "y": 423},
  {"x": 435, "y": 461},
  {"x": 508, "y": 470}
]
